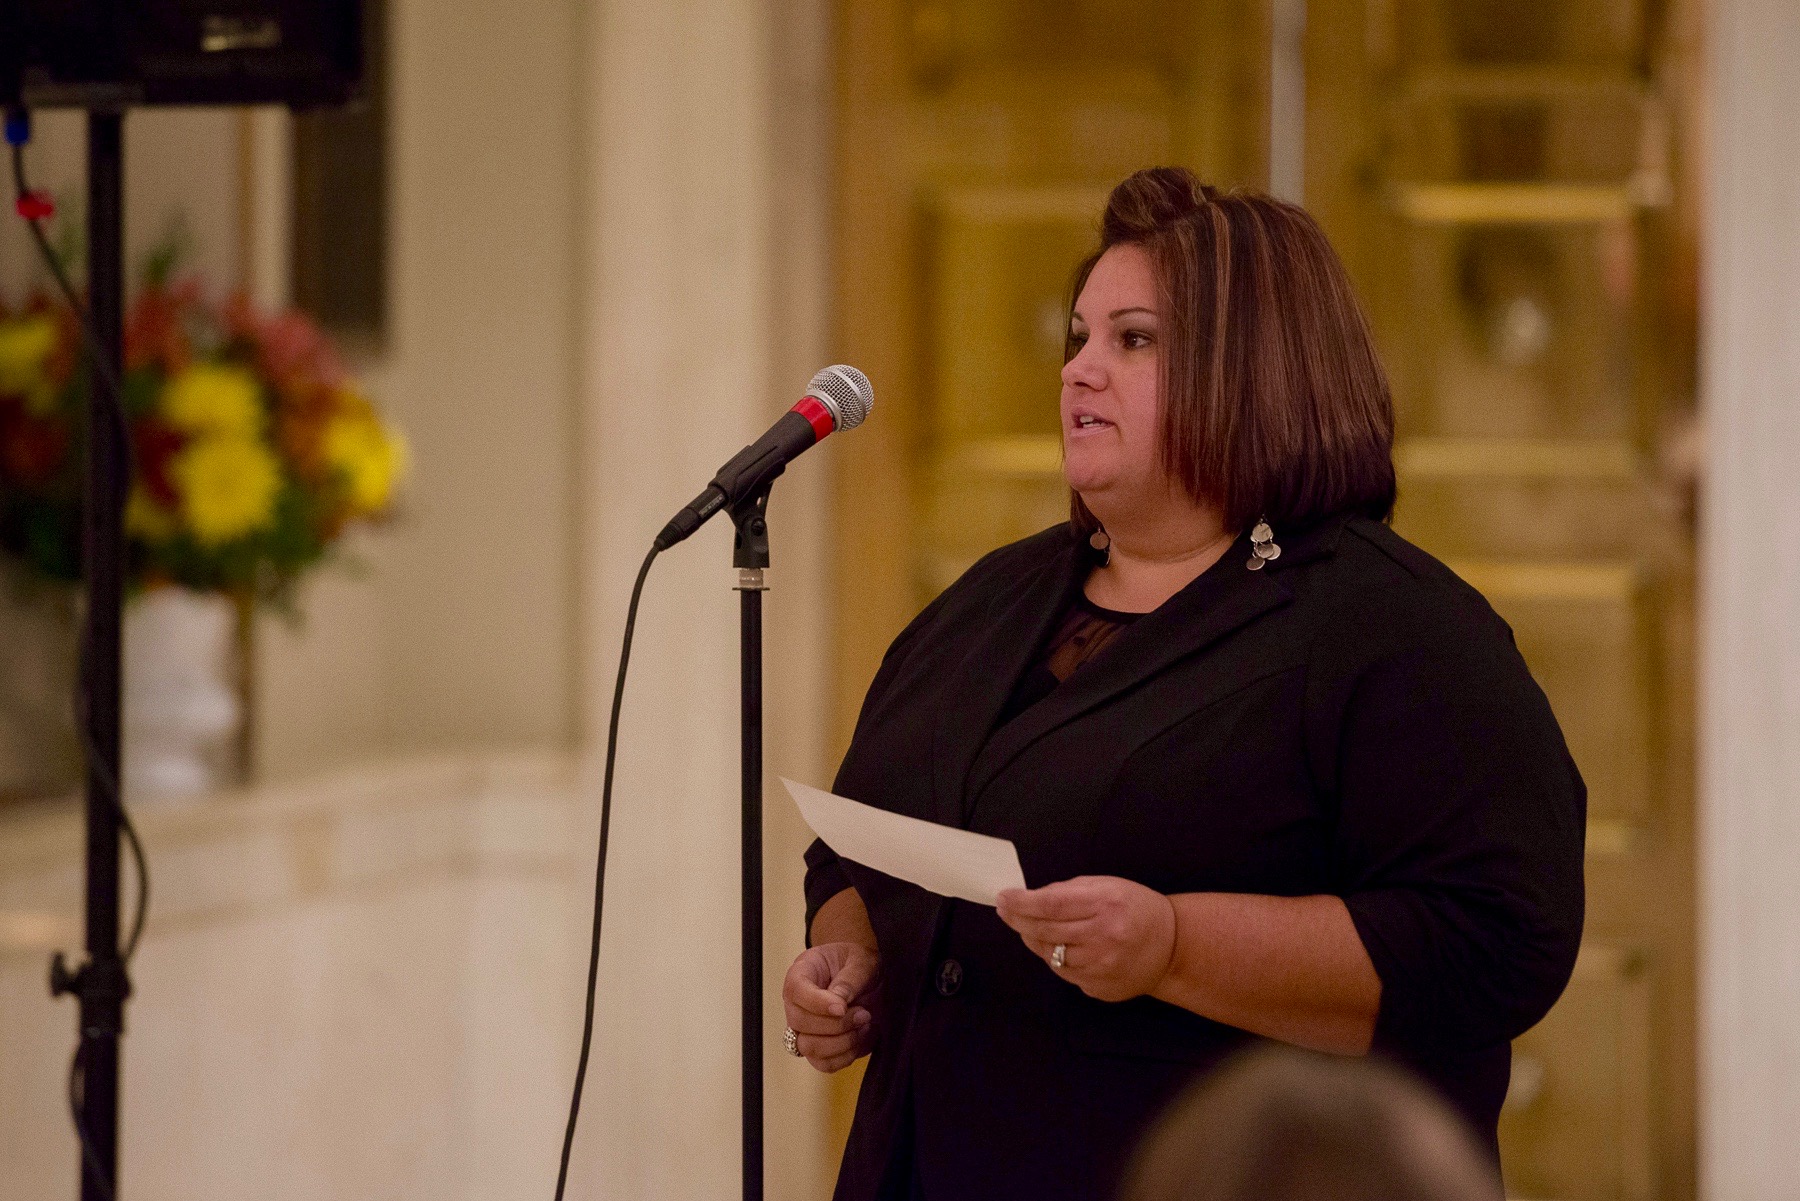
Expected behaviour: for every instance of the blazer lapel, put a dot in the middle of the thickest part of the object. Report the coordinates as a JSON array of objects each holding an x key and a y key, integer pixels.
[
  {"x": 1210, "y": 608},
  {"x": 1015, "y": 627},
  {"x": 1225, "y": 598}
]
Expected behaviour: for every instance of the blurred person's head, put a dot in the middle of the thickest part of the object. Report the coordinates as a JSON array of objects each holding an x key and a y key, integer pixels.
[
  {"x": 1217, "y": 358},
  {"x": 1279, "y": 1124}
]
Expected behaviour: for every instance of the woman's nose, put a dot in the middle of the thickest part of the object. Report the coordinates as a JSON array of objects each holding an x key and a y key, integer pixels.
[{"x": 1084, "y": 369}]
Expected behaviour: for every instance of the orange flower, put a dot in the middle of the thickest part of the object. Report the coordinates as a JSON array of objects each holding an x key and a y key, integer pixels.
[
  {"x": 303, "y": 411},
  {"x": 156, "y": 331}
]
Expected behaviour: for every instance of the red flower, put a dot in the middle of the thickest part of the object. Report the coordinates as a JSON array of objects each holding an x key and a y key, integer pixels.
[
  {"x": 156, "y": 444},
  {"x": 32, "y": 449},
  {"x": 294, "y": 350}
]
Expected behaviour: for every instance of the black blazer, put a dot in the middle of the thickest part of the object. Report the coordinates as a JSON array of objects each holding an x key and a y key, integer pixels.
[{"x": 1353, "y": 720}]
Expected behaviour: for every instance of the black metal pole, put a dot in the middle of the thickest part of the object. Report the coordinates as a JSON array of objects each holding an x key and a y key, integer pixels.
[
  {"x": 103, "y": 986},
  {"x": 750, "y": 556},
  {"x": 751, "y": 607}
]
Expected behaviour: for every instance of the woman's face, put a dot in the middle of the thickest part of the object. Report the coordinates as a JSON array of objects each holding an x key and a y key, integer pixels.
[{"x": 1111, "y": 424}]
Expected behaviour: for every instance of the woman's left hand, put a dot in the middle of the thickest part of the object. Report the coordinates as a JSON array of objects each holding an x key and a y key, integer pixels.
[{"x": 1118, "y": 937}]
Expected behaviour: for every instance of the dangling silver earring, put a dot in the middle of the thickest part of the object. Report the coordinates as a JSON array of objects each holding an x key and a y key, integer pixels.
[
  {"x": 1262, "y": 545},
  {"x": 1101, "y": 541}
]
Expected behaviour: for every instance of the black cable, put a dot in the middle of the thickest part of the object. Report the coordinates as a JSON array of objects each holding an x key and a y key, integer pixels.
[
  {"x": 97, "y": 358},
  {"x": 98, "y": 768},
  {"x": 77, "y": 1081},
  {"x": 109, "y": 788},
  {"x": 593, "y": 976}
]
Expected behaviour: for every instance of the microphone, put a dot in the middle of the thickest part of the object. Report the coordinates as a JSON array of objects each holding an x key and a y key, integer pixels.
[{"x": 837, "y": 399}]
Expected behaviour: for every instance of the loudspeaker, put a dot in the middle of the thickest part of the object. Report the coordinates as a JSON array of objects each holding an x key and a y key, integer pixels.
[{"x": 121, "y": 53}]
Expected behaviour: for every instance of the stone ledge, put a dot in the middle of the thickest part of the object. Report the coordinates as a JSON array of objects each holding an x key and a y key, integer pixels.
[{"x": 350, "y": 831}]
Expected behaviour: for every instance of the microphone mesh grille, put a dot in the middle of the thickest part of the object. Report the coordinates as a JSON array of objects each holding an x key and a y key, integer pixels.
[{"x": 846, "y": 392}]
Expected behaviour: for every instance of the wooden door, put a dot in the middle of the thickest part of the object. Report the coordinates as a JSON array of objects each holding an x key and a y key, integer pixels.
[{"x": 1506, "y": 183}]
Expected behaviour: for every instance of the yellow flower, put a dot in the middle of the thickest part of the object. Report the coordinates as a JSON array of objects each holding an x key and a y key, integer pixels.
[
  {"x": 227, "y": 486},
  {"x": 26, "y": 345},
  {"x": 146, "y": 519},
  {"x": 214, "y": 398},
  {"x": 369, "y": 458}
]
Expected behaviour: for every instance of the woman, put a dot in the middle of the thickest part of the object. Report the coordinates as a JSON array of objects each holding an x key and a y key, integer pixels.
[{"x": 1272, "y": 771}]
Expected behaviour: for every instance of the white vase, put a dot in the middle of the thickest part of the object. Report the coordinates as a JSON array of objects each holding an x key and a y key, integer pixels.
[{"x": 181, "y": 710}]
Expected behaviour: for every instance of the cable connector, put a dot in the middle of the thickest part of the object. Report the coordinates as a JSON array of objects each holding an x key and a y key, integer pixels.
[
  {"x": 32, "y": 205},
  {"x": 35, "y": 206}
]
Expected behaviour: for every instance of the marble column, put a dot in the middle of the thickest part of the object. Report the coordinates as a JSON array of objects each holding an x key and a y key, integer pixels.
[
  {"x": 707, "y": 164},
  {"x": 1750, "y": 654}
]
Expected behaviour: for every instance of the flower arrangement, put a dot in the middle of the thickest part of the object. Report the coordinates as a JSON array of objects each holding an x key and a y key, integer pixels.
[{"x": 252, "y": 448}]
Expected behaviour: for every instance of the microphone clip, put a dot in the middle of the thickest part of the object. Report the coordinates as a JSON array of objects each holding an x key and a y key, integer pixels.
[{"x": 750, "y": 546}]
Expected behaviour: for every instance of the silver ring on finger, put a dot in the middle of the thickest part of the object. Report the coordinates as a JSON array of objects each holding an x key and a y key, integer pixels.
[
  {"x": 790, "y": 1041},
  {"x": 1058, "y": 954}
]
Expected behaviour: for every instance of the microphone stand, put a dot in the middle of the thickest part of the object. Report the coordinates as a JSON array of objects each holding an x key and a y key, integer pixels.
[
  {"x": 750, "y": 555},
  {"x": 100, "y": 984}
]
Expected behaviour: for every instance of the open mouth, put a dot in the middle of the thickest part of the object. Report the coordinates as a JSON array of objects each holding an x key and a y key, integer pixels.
[{"x": 1087, "y": 421}]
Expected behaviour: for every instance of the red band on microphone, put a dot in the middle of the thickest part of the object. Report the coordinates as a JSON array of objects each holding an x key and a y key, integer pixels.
[{"x": 814, "y": 410}]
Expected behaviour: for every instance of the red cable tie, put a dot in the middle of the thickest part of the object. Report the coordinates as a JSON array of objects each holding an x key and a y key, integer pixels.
[{"x": 36, "y": 206}]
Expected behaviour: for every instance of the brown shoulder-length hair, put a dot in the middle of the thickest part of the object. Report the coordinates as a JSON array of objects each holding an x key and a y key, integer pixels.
[{"x": 1275, "y": 405}]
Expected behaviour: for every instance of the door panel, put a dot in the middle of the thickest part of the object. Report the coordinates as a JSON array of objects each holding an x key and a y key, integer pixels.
[
  {"x": 1000, "y": 260},
  {"x": 1577, "y": 1120},
  {"x": 1502, "y": 182}
]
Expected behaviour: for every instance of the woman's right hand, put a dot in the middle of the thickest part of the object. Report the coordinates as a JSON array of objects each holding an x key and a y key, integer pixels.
[{"x": 828, "y": 996}]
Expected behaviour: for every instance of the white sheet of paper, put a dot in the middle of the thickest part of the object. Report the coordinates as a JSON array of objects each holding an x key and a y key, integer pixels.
[{"x": 940, "y": 859}]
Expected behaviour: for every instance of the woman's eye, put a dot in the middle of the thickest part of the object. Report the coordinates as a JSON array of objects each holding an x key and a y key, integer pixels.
[
  {"x": 1135, "y": 339},
  {"x": 1078, "y": 337}
]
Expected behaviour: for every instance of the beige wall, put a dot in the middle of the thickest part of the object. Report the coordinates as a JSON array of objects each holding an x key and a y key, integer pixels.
[
  {"x": 181, "y": 165},
  {"x": 461, "y": 634}
]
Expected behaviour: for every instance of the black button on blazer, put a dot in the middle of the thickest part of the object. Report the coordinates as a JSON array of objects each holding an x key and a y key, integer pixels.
[{"x": 1353, "y": 720}]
